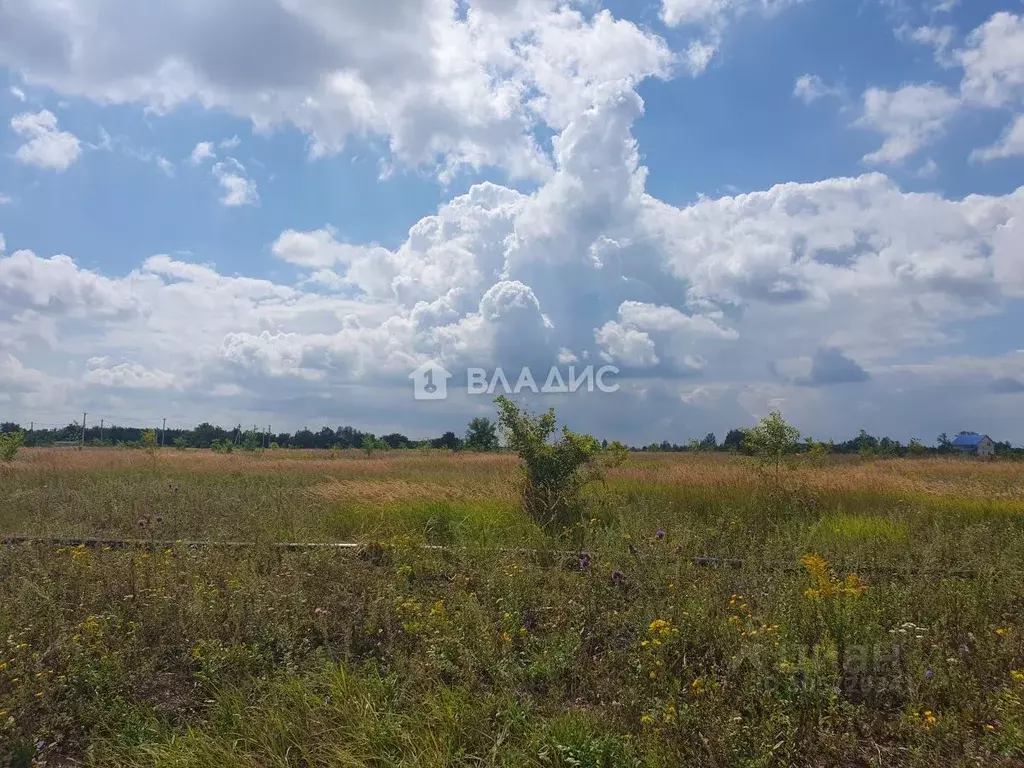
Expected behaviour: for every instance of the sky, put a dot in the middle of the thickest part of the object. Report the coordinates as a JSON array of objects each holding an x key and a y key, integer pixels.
[{"x": 272, "y": 211}]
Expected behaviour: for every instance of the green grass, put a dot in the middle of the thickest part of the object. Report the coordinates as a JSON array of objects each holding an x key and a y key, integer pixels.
[{"x": 485, "y": 653}]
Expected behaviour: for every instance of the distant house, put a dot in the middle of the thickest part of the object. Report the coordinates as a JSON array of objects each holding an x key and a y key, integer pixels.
[{"x": 975, "y": 445}]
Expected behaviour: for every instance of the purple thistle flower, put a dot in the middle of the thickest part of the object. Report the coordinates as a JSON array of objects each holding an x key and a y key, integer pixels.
[
  {"x": 660, "y": 534},
  {"x": 584, "y": 560},
  {"x": 617, "y": 578},
  {"x": 927, "y": 674}
]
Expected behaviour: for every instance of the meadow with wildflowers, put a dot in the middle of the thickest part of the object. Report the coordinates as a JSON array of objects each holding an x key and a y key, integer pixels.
[{"x": 856, "y": 612}]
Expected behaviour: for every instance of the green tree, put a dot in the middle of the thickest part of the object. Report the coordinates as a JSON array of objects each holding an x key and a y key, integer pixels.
[
  {"x": 735, "y": 440},
  {"x": 371, "y": 443},
  {"x": 482, "y": 435},
  {"x": 148, "y": 439},
  {"x": 556, "y": 471},
  {"x": 771, "y": 440},
  {"x": 10, "y": 442},
  {"x": 818, "y": 452},
  {"x": 449, "y": 441}
]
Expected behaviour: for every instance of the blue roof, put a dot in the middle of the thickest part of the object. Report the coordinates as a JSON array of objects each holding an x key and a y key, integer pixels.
[{"x": 966, "y": 441}]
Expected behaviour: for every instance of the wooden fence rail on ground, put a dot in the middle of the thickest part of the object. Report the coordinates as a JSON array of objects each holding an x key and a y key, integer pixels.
[{"x": 699, "y": 561}]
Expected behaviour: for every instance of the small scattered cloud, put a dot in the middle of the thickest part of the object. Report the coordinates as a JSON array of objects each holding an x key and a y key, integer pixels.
[
  {"x": 699, "y": 55},
  {"x": 238, "y": 190},
  {"x": 1010, "y": 145},
  {"x": 929, "y": 170},
  {"x": 5, "y": 199},
  {"x": 712, "y": 17},
  {"x": 46, "y": 145},
  {"x": 910, "y": 118},
  {"x": 231, "y": 143},
  {"x": 810, "y": 88},
  {"x": 939, "y": 38},
  {"x": 17, "y": 93},
  {"x": 166, "y": 166},
  {"x": 203, "y": 151}
]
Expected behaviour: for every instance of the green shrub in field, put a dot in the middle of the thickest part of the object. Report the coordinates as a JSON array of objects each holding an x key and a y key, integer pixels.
[
  {"x": 481, "y": 435},
  {"x": 149, "y": 439},
  {"x": 251, "y": 441},
  {"x": 372, "y": 443},
  {"x": 10, "y": 442},
  {"x": 221, "y": 446},
  {"x": 771, "y": 442},
  {"x": 556, "y": 471}
]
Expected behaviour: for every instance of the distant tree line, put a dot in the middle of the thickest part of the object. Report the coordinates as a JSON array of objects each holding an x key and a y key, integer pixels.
[
  {"x": 480, "y": 435},
  {"x": 864, "y": 444}
]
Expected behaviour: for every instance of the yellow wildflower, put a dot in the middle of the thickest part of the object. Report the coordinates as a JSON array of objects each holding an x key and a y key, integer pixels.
[
  {"x": 1017, "y": 675},
  {"x": 662, "y": 628},
  {"x": 647, "y": 718},
  {"x": 697, "y": 687}
]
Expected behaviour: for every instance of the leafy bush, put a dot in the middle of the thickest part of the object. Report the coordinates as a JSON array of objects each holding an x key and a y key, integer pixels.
[
  {"x": 372, "y": 443},
  {"x": 771, "y": 442},
  {"x": 221, "y": 446},
  {"x": 482, "y": 435},
  {"x": 10, "y": 442},
  {"x": 555, "y": 472},
  {"x": 149, "y": 438},
  {"x": 251, "y": 441}
]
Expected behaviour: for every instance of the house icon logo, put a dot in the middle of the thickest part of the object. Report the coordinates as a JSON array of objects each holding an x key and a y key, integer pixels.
[{"x": 430, "y": 382}]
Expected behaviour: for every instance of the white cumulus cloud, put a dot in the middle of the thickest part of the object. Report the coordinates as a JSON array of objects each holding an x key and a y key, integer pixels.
[{"x": 46, "y": 146}]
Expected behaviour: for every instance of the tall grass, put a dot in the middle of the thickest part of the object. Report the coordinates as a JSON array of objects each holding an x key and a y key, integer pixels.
[{"x": 508, "y": 647}]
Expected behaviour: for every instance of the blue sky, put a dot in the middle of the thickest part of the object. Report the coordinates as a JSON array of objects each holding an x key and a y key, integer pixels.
[{"x": 574, "y": 177}]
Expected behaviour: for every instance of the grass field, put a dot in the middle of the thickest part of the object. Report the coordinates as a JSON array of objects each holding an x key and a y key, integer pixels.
[{"x": 878, "y": 618}]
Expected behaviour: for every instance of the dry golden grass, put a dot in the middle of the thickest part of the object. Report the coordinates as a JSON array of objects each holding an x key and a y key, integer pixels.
[
  {"x": 946, "y": 476},
  {"x": 388, "y": 491},
  {"x": 445, "y": 475},
  {"x": 300, "y": 462}
]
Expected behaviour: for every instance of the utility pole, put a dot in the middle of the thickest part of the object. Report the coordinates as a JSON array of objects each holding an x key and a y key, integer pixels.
[
  {"x": 83, "y": 429},
  {"x": 163, "y": 432},
  {"x": 267, "y": 441},
  {"x": 101, "y": 431}
]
